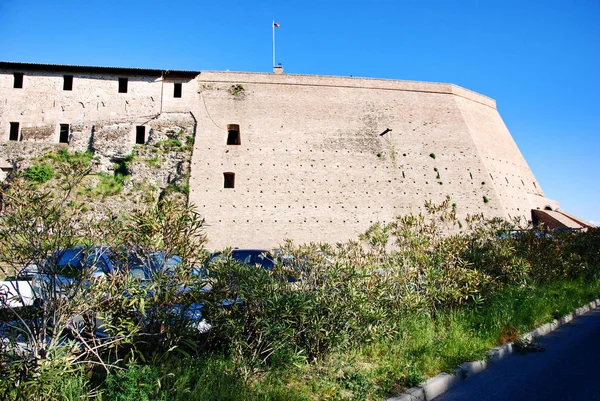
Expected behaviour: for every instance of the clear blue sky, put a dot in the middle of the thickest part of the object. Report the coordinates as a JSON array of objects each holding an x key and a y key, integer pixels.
[{"x": 539, "y": 59}]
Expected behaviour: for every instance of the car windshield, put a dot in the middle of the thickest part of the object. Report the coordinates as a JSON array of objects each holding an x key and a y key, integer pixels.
[
  {"x": 69, "y": 262},
  {"x": 260, "y": 257},
  {"x": 136, "y": 265}
]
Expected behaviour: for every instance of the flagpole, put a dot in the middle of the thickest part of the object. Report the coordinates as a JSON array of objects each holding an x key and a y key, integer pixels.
[{"x": 273, "y": 27}]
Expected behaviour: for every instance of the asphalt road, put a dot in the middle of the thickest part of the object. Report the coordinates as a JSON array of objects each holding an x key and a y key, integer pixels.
[{"x": 568, "y": 369}]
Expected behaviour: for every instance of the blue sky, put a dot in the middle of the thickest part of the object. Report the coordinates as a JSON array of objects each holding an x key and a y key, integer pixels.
[{"x": 540, "y": 60}]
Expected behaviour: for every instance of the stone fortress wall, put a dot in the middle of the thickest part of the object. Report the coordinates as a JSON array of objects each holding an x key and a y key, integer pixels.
[
  {"x": 313, "y": 162},
  {"x": 313, "y": 165}
]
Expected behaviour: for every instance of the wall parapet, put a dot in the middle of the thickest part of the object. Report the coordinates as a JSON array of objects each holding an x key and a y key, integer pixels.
[{"x": 344, "y": 82}]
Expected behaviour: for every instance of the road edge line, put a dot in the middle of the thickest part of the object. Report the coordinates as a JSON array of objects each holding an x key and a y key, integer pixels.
[{"x": 443, "y": 382}]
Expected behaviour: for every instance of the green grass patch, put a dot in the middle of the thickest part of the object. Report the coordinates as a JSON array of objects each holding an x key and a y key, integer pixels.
[
  {"x": 108, "y": 185},
  {"x": 169, "y": 145}
]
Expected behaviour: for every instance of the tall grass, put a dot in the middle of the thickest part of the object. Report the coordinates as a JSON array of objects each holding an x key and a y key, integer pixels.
[{"x": 422, "y": 347}]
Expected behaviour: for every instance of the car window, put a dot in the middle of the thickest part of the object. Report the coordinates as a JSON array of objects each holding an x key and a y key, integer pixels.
[
  {"x": 66, "y": 262},
  {"x": 139, "y": 273},
  {"x": 264, "y": 260},
  {"x": 70, "y": 257},
  {"x": 97, "y": 261},
  {"x": 159, "y": 263},
  {"x": 242, "y": 256}
]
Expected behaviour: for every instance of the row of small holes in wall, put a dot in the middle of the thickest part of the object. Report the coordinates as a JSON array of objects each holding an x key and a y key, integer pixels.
[
  {"x": 403, "y": 169},
  {"x": 346, "y": 193},
  {"x": 522, "y": 182},
  {"x": 423, "y": 168},
  {"x": 295, "y": 182},
  {"x": 350, "y": 207},
  {"x": 501, "y": 160},
  {"x": 402, "y": 181},
  {"x": 398, "y": 154},
  {"x": 302, "y": 221}
]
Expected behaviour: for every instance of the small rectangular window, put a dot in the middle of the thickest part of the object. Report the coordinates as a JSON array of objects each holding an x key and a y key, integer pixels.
[
  {"x": 14, "y": 132},
  {"x": 233, "y": 135},
  {"x": 63, "y": 136},
  {"x": 140, "y": 135},
  {"x": 229, "y": 180},
  {"x": 18, "y": 80},
  {"x": 177, "y": 90},
  {"x": 68, "y": 82},
  {"x": 123, "y": 85}
]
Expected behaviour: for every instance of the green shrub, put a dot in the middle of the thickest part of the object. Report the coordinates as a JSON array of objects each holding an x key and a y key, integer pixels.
[
  {"x": 189, "y": 142},
  {"x": 237, "y": 90},
  {"x": 432, "y": 155},
  {"x": 39, "y": 173},
  {"x": 169, "y": 145},
  {"x": 121, "y": 168}
]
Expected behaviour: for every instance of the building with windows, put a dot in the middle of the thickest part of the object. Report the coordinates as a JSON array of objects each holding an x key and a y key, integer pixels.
[{"x": 275, "y": 156}]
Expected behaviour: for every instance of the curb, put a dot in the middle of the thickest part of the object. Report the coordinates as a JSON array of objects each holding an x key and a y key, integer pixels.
[{"x": 443, "y": 382}]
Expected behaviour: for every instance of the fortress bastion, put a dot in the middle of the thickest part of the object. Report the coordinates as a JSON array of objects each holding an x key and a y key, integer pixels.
[{"x": 275, "y": 156}]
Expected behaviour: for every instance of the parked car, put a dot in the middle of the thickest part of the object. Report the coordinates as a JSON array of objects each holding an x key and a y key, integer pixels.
[{"x": 252, "y": 257}]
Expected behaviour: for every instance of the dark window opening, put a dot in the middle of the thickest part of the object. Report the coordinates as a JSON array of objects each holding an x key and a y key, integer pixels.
[
  {"x": 233, "y": 134},
  {"x": 14, "y": 132},
  {"x": 68, "y": 82},
  {"x": 228, "y": 180},
  {"x": 18, "y": 80},
  {"x": 177, "y": 90},
  {"x": 63, "y": 136},
  {"x": 140, "y": 135},
  {"x": 548, "y": 208},
  {"x": 123, "y": 85}
]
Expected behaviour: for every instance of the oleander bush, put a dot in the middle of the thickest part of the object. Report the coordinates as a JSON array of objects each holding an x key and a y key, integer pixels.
[{"x": 346, "y": 321}]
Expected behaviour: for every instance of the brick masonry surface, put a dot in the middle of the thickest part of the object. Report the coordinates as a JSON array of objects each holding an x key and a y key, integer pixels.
[{"x": 319, "y": 158}]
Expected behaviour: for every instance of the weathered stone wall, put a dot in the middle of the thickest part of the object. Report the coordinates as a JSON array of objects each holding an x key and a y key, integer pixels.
[
  {"x": 42, "y": 104},
  {"x": 320, "y": 158},
  {"x": 313, "y": 165}
]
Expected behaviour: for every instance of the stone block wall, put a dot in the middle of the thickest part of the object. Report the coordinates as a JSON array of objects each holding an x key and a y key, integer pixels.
[
  {"x": 41, "y": 105},
  {"x": 318, "y": 159},
  {"x": 314, "y": 163}
]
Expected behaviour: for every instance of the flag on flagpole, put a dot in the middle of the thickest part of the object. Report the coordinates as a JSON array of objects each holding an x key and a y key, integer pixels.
[{"x": 275, "y": 24}]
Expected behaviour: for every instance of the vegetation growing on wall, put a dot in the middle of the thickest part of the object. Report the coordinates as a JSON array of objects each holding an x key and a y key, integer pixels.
[
  {"x": 238, "y": 91},
  {"x": 127, "y": 182},
  {"x": 39, "y": 173}
]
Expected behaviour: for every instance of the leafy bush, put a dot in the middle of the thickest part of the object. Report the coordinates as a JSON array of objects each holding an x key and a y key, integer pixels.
[
  {"x": 237, "y": 90},
  {"x": 39, "y": 173},
  {"x": 122, "y": 167},
  {"x": 60, "y": 333},
  {"x": 189, "y": 142},
  {"x": 414, "y": 280}
]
